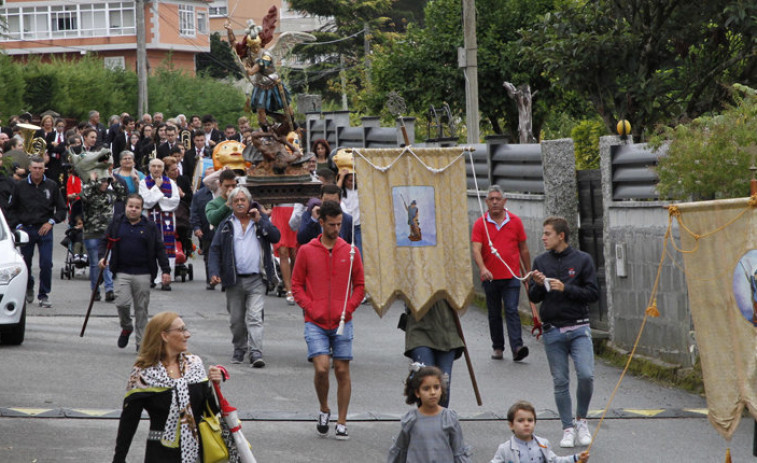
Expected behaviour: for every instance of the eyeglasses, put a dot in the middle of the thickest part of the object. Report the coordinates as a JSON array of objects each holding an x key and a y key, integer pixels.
[{"x": 183, "y": 329}]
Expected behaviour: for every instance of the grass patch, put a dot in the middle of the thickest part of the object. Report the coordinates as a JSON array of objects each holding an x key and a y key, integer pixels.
[{"x": 689, "y": 378}]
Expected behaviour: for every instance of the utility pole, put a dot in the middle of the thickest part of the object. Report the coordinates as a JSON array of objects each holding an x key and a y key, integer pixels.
[
  {"x": 343, "y": 79},
  {"x": 367, "y": 51},
  {"x": 142, "y": 104},
  {"x": 467, "y": 59}
]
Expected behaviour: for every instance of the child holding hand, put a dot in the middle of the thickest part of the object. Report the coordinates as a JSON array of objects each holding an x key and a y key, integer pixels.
[
  {"x": 525, "y": 446},
  {"x": 430, "y": 433}
]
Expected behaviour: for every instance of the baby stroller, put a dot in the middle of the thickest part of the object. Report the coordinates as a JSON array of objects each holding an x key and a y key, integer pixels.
[
  {"x": 76, "y": 259},
  {"x": 278, "y": 283},
  {"x": 182, "y": 269}
]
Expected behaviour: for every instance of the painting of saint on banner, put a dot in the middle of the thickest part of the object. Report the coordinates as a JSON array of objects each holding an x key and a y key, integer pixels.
[
  {"x": 745, "y": 286},
  {"x": 414, "y": 215}
]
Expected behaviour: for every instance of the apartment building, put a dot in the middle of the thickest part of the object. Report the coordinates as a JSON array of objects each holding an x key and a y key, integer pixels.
[{"x": 175, "y": 30}]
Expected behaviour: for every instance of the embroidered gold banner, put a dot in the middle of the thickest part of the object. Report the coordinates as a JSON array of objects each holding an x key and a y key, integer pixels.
[
  {"x": 414, "y": 222},
  {"x": 719, "y": 247}
]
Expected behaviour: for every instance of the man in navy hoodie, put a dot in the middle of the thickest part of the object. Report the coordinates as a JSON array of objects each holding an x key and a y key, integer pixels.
[
  {"x": 137, "y": 253},
  {"x": 565, "y": 282}
]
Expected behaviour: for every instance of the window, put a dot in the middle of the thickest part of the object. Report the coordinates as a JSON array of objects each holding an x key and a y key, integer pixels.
[
  {"x": 12, "y": 27},
  {"x": 114, "y": 62},
  {"x": 202, "y": 23},
  {"x": 186, "y": 20},
  {"x": 218, "y": 8},
  {"x": 64, "y": 21},
  {"x": 70, "y": 20}
]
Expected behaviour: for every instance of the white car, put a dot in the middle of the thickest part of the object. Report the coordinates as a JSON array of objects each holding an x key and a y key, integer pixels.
[{"x": 13, "y": 278}]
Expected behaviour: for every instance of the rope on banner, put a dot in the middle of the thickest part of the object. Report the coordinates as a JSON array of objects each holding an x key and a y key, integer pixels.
[
  {"x": 406, "y": 150},
  {"x": 651, "y": 310}
]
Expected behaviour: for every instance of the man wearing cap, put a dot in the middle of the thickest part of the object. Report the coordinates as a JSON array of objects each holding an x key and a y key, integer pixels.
[{"x": 99, "y": 196}]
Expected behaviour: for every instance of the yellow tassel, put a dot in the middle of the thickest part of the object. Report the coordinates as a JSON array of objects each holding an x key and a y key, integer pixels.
[
  {"x": 652, "y": 310},
  {"x": 727, "y": 455}
]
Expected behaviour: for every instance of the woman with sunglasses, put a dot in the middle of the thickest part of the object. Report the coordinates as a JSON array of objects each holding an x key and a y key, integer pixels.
[{"x": 172, "y": 386}]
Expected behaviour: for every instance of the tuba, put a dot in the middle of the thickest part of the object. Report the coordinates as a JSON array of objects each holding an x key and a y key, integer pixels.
[
  {"x": 186, "y": 139},
  {"x": 33, "y": 146}
]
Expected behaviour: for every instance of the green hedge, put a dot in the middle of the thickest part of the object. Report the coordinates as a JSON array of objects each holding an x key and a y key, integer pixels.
[
  {"x": 73, "y": 88},
  {"x": 585, "y": 137}
]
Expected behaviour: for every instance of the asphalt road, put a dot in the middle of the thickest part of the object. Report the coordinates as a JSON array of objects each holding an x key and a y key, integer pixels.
[{"x": 60, "y": 394}]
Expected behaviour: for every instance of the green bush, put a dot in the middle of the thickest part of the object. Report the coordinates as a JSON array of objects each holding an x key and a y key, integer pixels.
[
  {"x": 73, "y": 88},
  {"x": 11, "y": 87},
  {"x": 585, "y": 137},
  {"x": 710, "y": 157}
]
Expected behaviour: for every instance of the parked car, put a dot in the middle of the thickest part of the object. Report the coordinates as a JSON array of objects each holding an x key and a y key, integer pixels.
[{"x": 13, "y": 278}]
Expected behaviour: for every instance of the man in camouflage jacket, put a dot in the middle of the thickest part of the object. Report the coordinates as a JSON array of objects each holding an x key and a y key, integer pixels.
[{"x": 99, "y": 195}]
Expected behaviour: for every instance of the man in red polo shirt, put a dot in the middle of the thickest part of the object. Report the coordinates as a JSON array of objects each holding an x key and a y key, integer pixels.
[{"x": 505, "y": 230}]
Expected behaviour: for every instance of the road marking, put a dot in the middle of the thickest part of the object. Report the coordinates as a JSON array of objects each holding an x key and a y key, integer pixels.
[
  {"x": 272, "y": 415},
  {"x": 645, "y": 412}
]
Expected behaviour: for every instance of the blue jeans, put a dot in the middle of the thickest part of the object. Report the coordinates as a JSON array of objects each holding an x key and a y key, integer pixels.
[
  {"x": 357, "y": 240},
  {"x": 440, "y": 359},
  {"x": 321, "y": 341},
  {"x": 559, "y": 347},
  {"x": 92, "y": 254},
  {"x": 497, "y": 292},
  {"x": 45, "y": 245}
]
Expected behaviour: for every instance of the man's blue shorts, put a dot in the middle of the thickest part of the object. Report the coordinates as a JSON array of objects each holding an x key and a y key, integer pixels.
[{"x": 327, "y": 342}]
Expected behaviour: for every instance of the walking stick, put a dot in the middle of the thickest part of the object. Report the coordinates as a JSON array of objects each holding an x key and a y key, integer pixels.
[
  {"x": 97, "y": 285},
  {"x": 467, "y": 357}
]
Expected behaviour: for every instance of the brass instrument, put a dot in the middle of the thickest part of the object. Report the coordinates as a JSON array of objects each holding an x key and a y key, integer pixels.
[
  {"x": 34, "y": 146},
  {"x": 186, "y": 139}
]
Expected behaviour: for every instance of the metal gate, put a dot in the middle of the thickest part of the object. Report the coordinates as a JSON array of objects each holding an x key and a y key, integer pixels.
[{"x": 590, "y": 233}]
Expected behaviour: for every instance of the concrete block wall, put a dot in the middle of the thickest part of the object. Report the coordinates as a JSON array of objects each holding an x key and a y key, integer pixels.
[{"x": 638, "y": 229}]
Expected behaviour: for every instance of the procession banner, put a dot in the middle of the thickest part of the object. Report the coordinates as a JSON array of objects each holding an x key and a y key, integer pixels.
[
  {"x": 719, "y": 248},
  {"x": 414, "y": 222}
]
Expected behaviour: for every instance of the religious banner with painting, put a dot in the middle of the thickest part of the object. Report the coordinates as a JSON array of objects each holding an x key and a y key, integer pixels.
[
  {"x": 719, "y": 248},
  {"x": 414, "y": 223}
]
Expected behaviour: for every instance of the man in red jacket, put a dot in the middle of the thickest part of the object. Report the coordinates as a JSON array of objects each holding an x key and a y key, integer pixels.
[{"x": 325, "y": 273}]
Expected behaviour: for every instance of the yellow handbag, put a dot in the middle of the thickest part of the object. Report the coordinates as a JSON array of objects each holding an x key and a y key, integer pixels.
[{"x": 214, "y": 448}]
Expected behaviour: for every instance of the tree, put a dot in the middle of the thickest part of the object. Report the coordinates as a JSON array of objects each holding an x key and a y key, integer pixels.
[
  {"x": 220, "y": 62},
  {"x": 710, "y": 156},
  {"x": 649, "y": 61},
  {"x": 422, "y": 64},
  {"x": 340, "y": 45}
]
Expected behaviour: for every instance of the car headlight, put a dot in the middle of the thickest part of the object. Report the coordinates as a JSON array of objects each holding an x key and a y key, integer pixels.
[{"x": 9, "y": 272}]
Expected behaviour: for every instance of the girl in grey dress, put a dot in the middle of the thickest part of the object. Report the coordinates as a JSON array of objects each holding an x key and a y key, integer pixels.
[{"x": 429, "y": 433}]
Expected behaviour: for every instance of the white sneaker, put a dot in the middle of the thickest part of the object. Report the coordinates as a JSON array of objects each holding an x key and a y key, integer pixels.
[
  {"x": 568, "y": 438},
  {"x": 583, "y": 436}
]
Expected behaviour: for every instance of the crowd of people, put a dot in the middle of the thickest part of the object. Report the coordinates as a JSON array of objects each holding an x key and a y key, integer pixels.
[{"x": 136, "y": 218}]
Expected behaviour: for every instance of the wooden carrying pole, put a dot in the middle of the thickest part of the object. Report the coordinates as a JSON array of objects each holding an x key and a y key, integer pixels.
[{"x": 467, "y": 357}]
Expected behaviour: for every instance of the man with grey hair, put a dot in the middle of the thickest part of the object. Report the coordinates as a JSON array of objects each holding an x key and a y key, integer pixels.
[
  {"x": 240, "y": 259},
  {"x": 102, "y": 131},
  {"x": 499, "y": 247}
]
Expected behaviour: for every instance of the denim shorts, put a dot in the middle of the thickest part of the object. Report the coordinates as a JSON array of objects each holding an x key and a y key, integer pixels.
[{"x": 327, "y": 342}]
